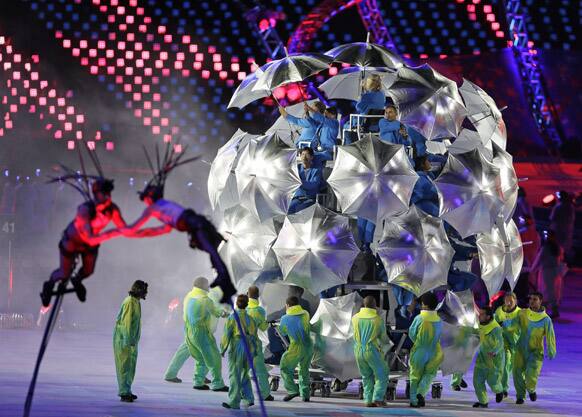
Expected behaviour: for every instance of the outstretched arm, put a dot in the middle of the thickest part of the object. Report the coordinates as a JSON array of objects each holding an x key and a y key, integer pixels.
[{"x": 134, "y": 230}]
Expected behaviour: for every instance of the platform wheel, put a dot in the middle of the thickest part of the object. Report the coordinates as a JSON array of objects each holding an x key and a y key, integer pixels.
[
  {"x": 436, "y": 390},
  {"x": 274, "y": 383}
]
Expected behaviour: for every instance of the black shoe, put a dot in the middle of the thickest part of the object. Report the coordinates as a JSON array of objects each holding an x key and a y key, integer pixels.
[
  {"x": 456, "y": 388},
  {"x": 47, "y": 292},
  {"x": 420, "y": 400},
  {"x": 519, "y": 401},
  {"x": 269, "y": 398},
  {"x": 201, "y": 387},
  {"x": 226, "y": 405},
  {"x": 505, "y": 394},
  {"x": 289, "y": 397},
  {"x": 498, "y": 397},
  {"x": 305, "y": 400},
  {"x": 463, "y": 383},
  {"x": 133, "y": 396},
  {"x": 533, "y": 396},
  {"x": 80, "y": 289},
  {"x": 479, "y": 405},
  {"x": 126, "y": 398},
  {"x": 223, "y": 389},
  {"x": 250, "y": 404},
  {"x": 175, "y": 379},
  {"x": 414, "y": 405}
]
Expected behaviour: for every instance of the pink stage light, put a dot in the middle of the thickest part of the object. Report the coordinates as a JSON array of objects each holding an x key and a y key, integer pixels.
[
  {"x": 58, "y": 134},
  {"x": 156, "y": 130},
  {"x": 109, "y": 146},
  {"x": 91, "y": 145},
  {"x": 71, "y": 145}
]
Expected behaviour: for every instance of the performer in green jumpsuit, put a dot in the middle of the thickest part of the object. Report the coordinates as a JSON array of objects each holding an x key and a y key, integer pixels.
[
  {"x": 369, "y": 336},
  {"x": 238, "y": 366},
  {"x": 126, "y": 337},
  {"x": 259, "y": 314},
  {"x": 534, "y": 325},
  {"x": 426, "y": 355},
  {"x": 295, "y": 325},
  {"x": 490, "y": 359},
  {"x": 505, "y": 316},
  {"x": 200, "y": 312}
]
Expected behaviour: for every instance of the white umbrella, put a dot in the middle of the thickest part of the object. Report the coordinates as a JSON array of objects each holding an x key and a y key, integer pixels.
[{"x": 347, "y": 84}]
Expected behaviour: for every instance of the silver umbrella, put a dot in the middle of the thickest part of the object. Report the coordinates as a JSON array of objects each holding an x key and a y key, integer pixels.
[
  {"x": 245, "y": 93},
  {"x": 290, "y": 69},
  {"x": 372, "y": 179},
  {"x": 334, "y": 315},
  {"x": 222, "y": 188},
  {"x": 469, "y": 193},
  {"x": 484, "y": 113},
  {"x": 469, "y": 140},
  {"x": 459, "y": 340},
  {"x": 428, "y": 101},
  {"x": 347, "y": 84},
  {"x": 267, "y": 176},
  {"x": 315, "y": 249},
  {"x": 366, "y": 54},
  {"x": 415, "y": 251},
  {"x": 334, "y": 343},
  {"x": 247, "y": 247},
  {"x": 477, "y": 101},
  {"x": 500, "y": 256},
  {"x": 509, "y": 187}
]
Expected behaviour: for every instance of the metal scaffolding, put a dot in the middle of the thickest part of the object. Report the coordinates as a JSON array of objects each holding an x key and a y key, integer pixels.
[{"x": 542, "y": 108}]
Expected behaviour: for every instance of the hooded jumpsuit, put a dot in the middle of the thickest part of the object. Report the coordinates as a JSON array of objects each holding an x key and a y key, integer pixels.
[{"x": 369, "y": 335}]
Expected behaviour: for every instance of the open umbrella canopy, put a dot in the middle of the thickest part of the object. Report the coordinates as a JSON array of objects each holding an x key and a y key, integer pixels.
[
  {"x": 459, "y": 340},
  {"x": 372, "y": 179},
  {"x": 509, "y": 182},
  {"x": 477, "y": 101},
  {"x": 222, "y": 188},
  {"x": 428, "y": 101},
  {"x": 247, "y": 248},
  {"x": 267, "y": 176},
  {"x": 366, "y": 54},
  {"x": 315, "y": 249},
  {"x": 469, "y": 193},
  {"x": 334, "y": 315},
  {"x": 347, "y": 84},
  {"x": 415, "y": 251},
  {"x": 469, "y": 140},
  {"x": 290, "y": 69},
  {"x": 500, "y": 255},
  {"x": 244, "y": 93}
]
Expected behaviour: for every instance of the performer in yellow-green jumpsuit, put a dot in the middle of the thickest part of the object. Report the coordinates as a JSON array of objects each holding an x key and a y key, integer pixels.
[
  {"x": 369, "y": 336},
  {"x": 295, "y": 325},
  {"x": 426, "y": 355},
  {"x": 505, "y": 315},
  {"x": 126, "y": 337},
  {"x": 490, "y": 359},
  {"x": 534, "y": 325},
  {"x": 238, "y": 366},
  {"x": 259, "y": 314},
  {"x": 199, "y": 313}
]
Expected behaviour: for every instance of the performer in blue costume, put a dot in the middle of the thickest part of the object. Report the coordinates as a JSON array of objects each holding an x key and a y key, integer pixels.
[
  {"x": 311, "y": 182},
  {"x": 424, "y": 194},
  {"x": 394, "y": 131},
  {"x": 327, "y": 132},
  {"x": 308, "y": 124}
]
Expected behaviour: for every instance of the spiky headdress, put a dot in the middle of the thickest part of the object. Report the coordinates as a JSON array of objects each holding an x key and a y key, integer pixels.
[
  {"x": 165, "y": 164},
  {"x": 85, "y": 183}
]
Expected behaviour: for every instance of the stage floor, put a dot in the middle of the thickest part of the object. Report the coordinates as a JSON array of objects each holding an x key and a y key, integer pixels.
[{"x": 78, "y": 379}]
